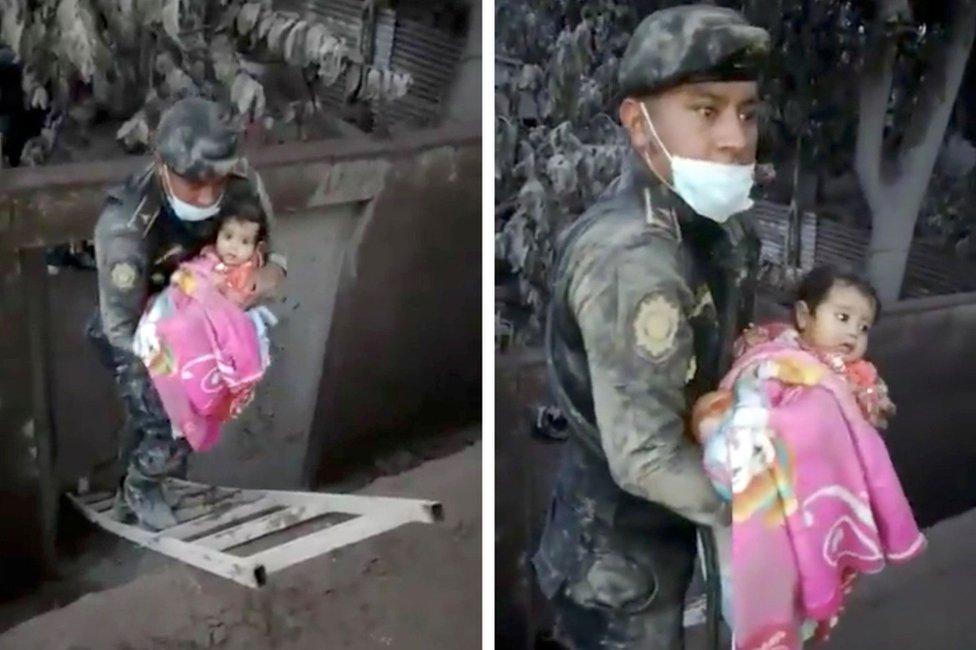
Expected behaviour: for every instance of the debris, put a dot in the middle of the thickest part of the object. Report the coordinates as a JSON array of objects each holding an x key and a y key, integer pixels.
[{"x": 399, "y": 462}]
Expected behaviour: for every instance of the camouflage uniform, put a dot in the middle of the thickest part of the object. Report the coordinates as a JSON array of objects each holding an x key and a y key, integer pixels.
[
  {"x": 647, "y": 298},
  {"x": 139, "y": 242}
]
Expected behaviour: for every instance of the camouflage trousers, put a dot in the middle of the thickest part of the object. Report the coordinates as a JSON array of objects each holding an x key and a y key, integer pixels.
[
  {"x": 585, "y": 619},
  {"x": 614, "y": 567},
  {"x": 146, "y": 444}
]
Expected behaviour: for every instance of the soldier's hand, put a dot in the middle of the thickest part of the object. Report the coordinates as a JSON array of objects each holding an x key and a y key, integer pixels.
[
  {"x": 267, "y": 279},
  {"x": 724, "y": 515},
  {"x": 718, "y": 515}
]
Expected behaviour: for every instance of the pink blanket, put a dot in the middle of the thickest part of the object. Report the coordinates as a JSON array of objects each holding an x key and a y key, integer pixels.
[
  {"x": 815, "y": 498},
  {"x": 202, "y": 351}
]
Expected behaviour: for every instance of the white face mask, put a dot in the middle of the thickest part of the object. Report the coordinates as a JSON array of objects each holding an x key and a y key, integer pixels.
[
  {"x": 713, "y": 190},
  {"x": 188, "y": 211}
]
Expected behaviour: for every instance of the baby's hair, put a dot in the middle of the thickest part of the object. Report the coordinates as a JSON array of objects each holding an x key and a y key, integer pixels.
[
  {"x": 243, "y": 205},
  {"x": 815, "y": 286}
]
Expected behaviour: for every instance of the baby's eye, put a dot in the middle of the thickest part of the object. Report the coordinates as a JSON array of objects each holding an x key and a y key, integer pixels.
[
  {"x": 865, "y": 329},
  {"x": 843, "y": 317}
]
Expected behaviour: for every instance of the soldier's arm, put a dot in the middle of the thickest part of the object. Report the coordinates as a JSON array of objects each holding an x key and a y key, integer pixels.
[
  {"x": 274, "y": 257},
  {"x": 123, "y": 275},
  {"x": 639, "y": 348}
]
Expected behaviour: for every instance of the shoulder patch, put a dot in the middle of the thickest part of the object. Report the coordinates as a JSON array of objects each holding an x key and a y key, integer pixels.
[
  {"x": 124, "y": 276},
  {"x": 656, "y": 326}
]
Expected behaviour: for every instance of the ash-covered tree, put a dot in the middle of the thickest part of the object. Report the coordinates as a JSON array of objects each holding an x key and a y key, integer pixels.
[
  {"x": 556, "y": 142},
  {"x": 913, "y": 64},
  {"x": 870, "y": 87},
  {"x": 128, "y": 58},
  {"x": 859, "y": 87},
  {"x": 809, "y": 121}
]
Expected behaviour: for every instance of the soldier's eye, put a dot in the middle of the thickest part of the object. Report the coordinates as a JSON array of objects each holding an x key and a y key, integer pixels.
[{"x": 706, "y": 111}]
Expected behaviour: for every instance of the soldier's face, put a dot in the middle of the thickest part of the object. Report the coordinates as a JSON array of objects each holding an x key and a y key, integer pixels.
[
  {"x": 202, "y": 194},
  {"x": 714, "y": 121}
]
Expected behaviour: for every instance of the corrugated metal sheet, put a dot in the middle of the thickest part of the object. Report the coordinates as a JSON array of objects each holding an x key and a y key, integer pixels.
[
  {"x": 430, "y": 56},
  {"x": 931, "y": 270},
  {"x": 345, "y": 17},
  {"x": 385, "y": 33},
  {"x": 298, "y": 6},
  {"x": 771, "y": 221}
]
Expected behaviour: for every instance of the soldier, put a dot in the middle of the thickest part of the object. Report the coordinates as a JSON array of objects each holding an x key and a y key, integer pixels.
[
  {"x": 651, "y": 285},
  {"x": 160, "y": 217}
]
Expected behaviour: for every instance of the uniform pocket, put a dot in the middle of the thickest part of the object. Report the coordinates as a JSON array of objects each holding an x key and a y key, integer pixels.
[{"x": 615, "y": 582}]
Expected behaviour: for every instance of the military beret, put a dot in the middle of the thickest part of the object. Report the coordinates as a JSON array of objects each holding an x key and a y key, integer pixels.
[
  {"x": 691, "y": 43},
  {"x": 196, "y": 138}
]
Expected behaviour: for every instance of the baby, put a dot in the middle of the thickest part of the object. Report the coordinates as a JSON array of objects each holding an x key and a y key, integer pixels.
[
  {"x": 205, "y": 345},
  {"x": 833, "y": 316},
  {"x": 237, "y": 250}
]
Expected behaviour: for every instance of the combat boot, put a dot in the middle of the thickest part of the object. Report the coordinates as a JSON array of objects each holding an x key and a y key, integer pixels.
[
  {"x": 121, "y": 511},
  {"x": 145, "y": 498}
]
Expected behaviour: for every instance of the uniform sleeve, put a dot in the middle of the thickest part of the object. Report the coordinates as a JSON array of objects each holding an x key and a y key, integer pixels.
[
  {"x": 123, "y": 281},
  {"x": 639, "y": 348},
  {"x": 274, "y": 256}
]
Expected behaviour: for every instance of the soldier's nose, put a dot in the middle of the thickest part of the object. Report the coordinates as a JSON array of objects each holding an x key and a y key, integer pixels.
[
  {"x": 206, "y": 196},
  {"x": 731, "y": 137}
]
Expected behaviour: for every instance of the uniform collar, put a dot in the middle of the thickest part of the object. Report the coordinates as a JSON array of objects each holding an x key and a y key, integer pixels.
[
  {"x": 145, "y": 185},
  {"x": 663, "y": 209}
]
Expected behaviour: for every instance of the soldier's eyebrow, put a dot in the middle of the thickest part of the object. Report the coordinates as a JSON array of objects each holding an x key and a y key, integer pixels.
[{"x": 701, "y": 93}]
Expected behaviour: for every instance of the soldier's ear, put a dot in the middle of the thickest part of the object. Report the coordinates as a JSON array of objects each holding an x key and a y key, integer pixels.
[
  {"x": 632, "y": 119},
  {"x": 158, "y": 162}
]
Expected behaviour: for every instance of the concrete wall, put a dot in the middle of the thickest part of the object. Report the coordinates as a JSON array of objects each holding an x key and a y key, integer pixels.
[
  {"x": 390, "y": 228},
  {"x": 381, "y": 323},
  {"x": 924, "y": 349},
  {"x": 266, "y": 446},
  {"x": 524, "y": 476},
  {"x": 405, "y": 344},
  {"x": 21, "y": 525},
  {"x": 464, "y": 98}
]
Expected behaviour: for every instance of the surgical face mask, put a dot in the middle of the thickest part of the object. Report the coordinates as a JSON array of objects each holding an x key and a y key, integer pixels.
[
  {"x": 188, "y": 211},
  {"x": 713, "y": 190}
]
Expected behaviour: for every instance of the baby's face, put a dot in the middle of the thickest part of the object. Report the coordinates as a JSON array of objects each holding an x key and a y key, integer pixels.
[
  {"x": 236, "y": 241},
  {"x": 840, "y": 323}
]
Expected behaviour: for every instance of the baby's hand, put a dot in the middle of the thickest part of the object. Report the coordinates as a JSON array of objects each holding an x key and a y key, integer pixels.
[{"x": 266, "y": 281}]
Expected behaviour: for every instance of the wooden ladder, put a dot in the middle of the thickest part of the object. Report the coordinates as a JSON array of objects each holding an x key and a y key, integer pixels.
[{"x": 291, "y": 527}]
